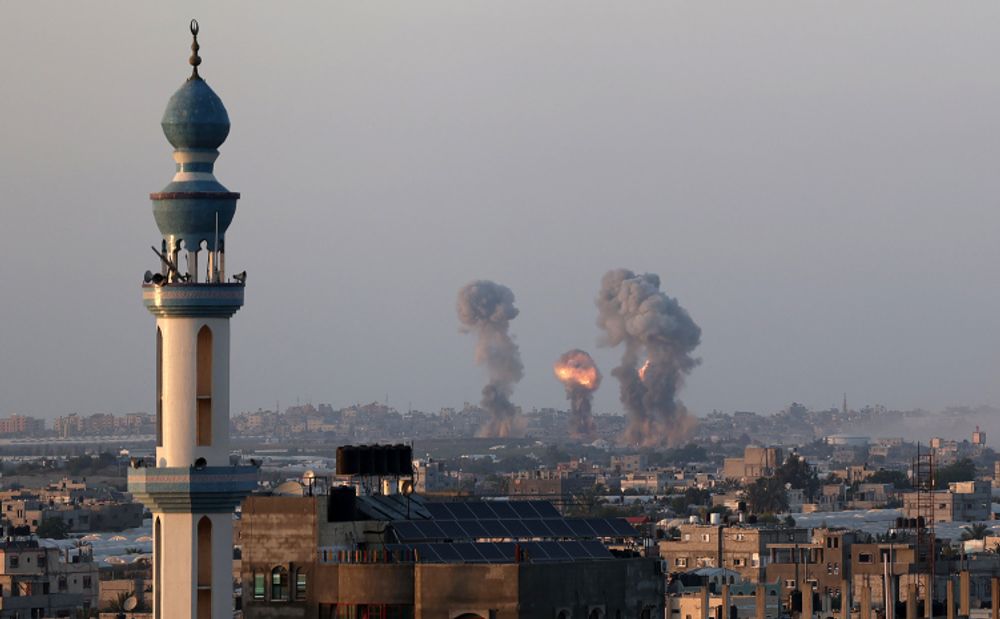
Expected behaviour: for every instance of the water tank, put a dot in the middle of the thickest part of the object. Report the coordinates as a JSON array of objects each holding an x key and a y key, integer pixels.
[
  {"x": 347, "y": 460},
  {"x": 341, "y": 504},
  {"x": 692, "y": 519},
  {"x": 380, "y": 459},
  {"x": 715, "y": 518},
  {"x": 404, "y": 457}
]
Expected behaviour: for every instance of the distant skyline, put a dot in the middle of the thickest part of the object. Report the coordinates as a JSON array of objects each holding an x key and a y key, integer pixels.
[{"x": 816, "y": 184}]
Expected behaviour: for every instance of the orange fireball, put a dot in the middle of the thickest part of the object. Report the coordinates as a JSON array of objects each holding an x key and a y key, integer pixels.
[
  {"x": 642, "y": 370},
  {"x": 576, "y": 369}
]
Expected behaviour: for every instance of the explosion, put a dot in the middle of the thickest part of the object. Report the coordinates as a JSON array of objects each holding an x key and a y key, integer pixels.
[
  {"x": 577, "y": 372},
  {"x": 486, "y": 308},
  {"x": 632, "y": 310}
]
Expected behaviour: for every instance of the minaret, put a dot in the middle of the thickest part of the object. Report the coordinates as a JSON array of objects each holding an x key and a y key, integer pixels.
[{"x": 193, "y": 488}]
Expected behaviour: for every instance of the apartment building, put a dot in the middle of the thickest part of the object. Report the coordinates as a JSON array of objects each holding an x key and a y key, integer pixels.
[
  {"x": 756, "y": 462},
  {"x": 742, "y": 549},
  {"x": 963, "y": 501}
]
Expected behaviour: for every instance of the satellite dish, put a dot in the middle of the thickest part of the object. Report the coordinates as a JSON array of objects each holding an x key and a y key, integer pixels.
[
  {"x": 130, "y": 603},
  {"x": 406, "y": 487}
]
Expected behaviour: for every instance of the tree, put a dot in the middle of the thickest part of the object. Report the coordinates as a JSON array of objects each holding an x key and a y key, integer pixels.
[
  {"x": 976, "y": 530},
  {"x": 797, "y": 472},
  {"x": 767, "y": 495},
  {"x": 963, "y": 470},
  {"x": 898, "y": 479},
  {"x": 52, "y": 528}
]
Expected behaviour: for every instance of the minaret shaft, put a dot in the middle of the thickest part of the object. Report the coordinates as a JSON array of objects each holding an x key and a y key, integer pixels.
[{"x": 192, "y": 488}]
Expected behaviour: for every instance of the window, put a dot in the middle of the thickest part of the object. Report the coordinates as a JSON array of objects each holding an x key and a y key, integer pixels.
[
  {"x": 865, "y": 557},
  {"x": 204, "y": 429},
  {"x": 279, "y": 584},
  {"x": 204, "y": 571},
  {"x": 687, "y": 537},
  {"x": 86, "y": 582},
  {"x": 300, "y": 584},
  {"x": 14, "y": 562},
  {"x": 739, "y": 562},
  {"x": 705, "y": 537},
  {"x": 159, "y": 387},
  {"x": 62, "y": 583},
  {"x": 258, "y": 586},
  {"x": 680, "y": 562},
  {"x": 790, "y": 583}
]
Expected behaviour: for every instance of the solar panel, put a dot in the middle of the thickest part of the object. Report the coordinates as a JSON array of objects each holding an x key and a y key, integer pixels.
[
  {"x": 406, "y": 531},
  {"x": 492, "y": 553},
  {"x": 601, "y": 527},
  {"x": 460, "y": 511},
  {"x": 575, "y": 550},
  {"x": 622, "y": 527},
  {"x": 425, "y": 553},
  {"x": 580, "y": 527},
  {"x": 537, "y": 527},
  {"x": 503, "y": 510},
  {"x": 439, "y": 511},
  {"x": 556, "y": 551},
  {"x": 535, "y": 551},
  {"x": 506, "y": 549},
  {"x": 545, "y": 509},
  {"x": 523, "y": 509},
  {"x": 481, "y": 510},
  {"x": 596, "y": 549},
  {"x": 517, "y": 528},
  {"x": 473, "y": 529},
  {"x": 495, "y": 529},
  {"x": 559, "y": 527},
  {"x": 429, "y": 530},
  {"x": 469, "y": 553},
  {"x": 447, "y": 552},
  {"x": 451, "y": 529}
]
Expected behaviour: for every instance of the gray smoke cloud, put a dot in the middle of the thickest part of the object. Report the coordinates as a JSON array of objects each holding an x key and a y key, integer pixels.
[
  {"x": 632, "y": 311},
  {"x": 577, "y": 372},
  {"x": 486, "y": 309}
]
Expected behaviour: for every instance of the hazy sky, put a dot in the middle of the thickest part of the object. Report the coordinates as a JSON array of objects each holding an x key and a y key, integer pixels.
[{"x": 817, "y": 183}]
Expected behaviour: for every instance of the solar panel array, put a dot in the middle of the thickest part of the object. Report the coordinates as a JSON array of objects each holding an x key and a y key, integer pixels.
[
  {"x": 514, "y": 520},
  {"x": 503, "y": 552}
]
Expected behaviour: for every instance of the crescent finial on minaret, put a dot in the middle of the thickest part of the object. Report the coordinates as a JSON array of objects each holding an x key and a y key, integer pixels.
[{"x": 195, "y": 59}]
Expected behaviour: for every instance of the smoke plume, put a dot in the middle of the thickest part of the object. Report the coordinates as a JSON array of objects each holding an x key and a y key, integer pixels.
[
  {"x": 486, "y": 309},
  {"x": 578, "y": 373},
  {"x": 658, "y": 337}
]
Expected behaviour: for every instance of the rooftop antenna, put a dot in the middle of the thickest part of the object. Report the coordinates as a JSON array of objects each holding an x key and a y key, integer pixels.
[{"x": 215, "y": 252}]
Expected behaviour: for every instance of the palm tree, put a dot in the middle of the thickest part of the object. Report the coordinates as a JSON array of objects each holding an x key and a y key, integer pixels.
[{"x": 976, "y": 530}]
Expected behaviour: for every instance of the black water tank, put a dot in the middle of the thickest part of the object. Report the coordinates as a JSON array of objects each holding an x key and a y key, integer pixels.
[
  {"x": 404, "y": 458},
  {"x": 380, "y": 459},
  {"x": 347, "y": 460},
  {"x": 341, "y": 504}
]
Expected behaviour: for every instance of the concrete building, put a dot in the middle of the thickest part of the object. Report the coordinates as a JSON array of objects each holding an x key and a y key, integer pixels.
[
  {"x": 742, "y": 549},
  {"x": 193, "y": 489},
  {"x": 44, "y": 582},
  {"x": 824, "y": 562},
  {"x": 342, "y": 555},
  {"x": 756, "y": 462},
  {"x": 963, "y": 501}
]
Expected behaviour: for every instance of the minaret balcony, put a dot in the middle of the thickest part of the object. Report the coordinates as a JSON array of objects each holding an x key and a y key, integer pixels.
[
  {"x": 207, "y": 489},
  {"x": 184, "y": 299}
]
